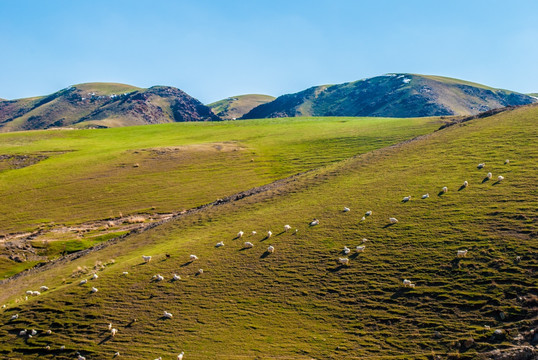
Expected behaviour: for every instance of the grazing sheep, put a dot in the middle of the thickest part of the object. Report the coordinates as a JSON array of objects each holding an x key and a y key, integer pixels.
[
  {"x": 271, "y": 249},
  {"x": 254, "y": 233},
  {"x": 269, "y": 234},
  {"x": 180, "y": 356},
  {"x": 62, "y": 347},
  {"x": 113, "y": 332},
  {"x": 412, "y": 286},
  {"x": 48, "y": 332},
  {"x": 43, "y": 288},
  {"x": 47, "y": 347},
  {"x": 94, "y": 290},
  {"x": 219, "y": 244},
  {"x": 462, "y": 253},
  {"x": 94, "y": 276},
  {"x": 343, "y": 261},
  {"x": 23, "y": 332},
  {"x": 406, "y": 199},
  {"x": 465, "y": 184},
  {"x": 444, "y": 189},
  {"x": 167, "y": 315},
  {"x": 346, "y": 250},
  {"x": 360, "y": 248},
  {"x": 314, "y": 222},
  {"x": 287, "y": 227},
  {"x": 506, "y": 162},
  {"x": 346, "y": 209},
  {"x": 393, "y": 220},
  {"x": 109, "y": 326},
  {"x": 240, "y": 234},
  {"x": 158, "y": 277},
  {"x": 80, "y": 357},
  {"x": 36, "y": 293},
  {"x": 425, "y": 196},
  {"x": 518, "y": 258},
  {"x": 248, "y": 245},
  {"x": 15, "y": 317},
  {"x": 4, "y": 306},
  {"x": 29, "y": 292},
  {"x": 176, "y": 277},
  {"x": 406, "y": 283},
  {"x": 200, "y": 271},
  {"x": 481, "y": 165},
  {"x": 117, "y": 353},
  {"x": 364, "y": 240},
  {"x": 500, "y": 178},
  {"x": 363, "y": 218},
  {"x": 193, "y": 257},
  {"x": 34, "y": 332},
  {"x": 82, "y": 282},
  {"x": 146, "y": 258},
  {"x": 296, "y": 231},
  {"x": 125, "y": 273},
  {"x": 489, "y": 175}
]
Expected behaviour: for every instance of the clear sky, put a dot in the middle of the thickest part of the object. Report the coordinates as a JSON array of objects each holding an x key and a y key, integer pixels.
[{"x": 215, "y": 49}]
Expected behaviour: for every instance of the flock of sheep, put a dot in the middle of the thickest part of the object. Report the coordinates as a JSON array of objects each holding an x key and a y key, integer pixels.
[{"x": 344, "y": 261}]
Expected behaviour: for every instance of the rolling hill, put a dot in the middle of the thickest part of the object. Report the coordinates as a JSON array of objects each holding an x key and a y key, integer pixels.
[
  {"x": 392, "y": 95},
  {"x": 299, "y": 302},
  {"x": 102, "y": 105},
  {"x": 236, "y": 106}
]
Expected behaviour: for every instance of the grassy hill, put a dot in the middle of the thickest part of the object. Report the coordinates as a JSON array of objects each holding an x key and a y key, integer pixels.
[
  {"x": 394, "y": 95},
  {"x": 102, "y": 105},
  {"x": 61, "y": 188},
  {"x": 236, "y": 106},
  {"x": 298, "y": 302}
]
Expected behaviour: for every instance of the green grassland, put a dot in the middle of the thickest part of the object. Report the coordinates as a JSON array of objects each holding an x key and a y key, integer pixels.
[
  {"x": 236, "y": 106},
  {"x": 298, "y": 303}
]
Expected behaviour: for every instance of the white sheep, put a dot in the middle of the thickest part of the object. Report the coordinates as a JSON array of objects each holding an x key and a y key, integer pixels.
[
  {"x": 412, "y": 286},
  {"x": 368, "y": 213},
  {"x": 269, "y": 234},
  {"x": 158, "y": 277},
  {"x": 271, "y": 249},
  {"x": 287, "y": 227},
  {"x": 489, "y": 175},
  {"x": 364, "y": 240},
  {"x": 34, "y": 332},
  {"x": 23, "y": 332},
  {"x": 219, "y": 244},
  {"x": 80, "y": 357},
  {"x": 406, "y": 283},
  {"x": 180, "y": 356},
  {"x": 425, "y": 196},
  {"x": 48, "y": 332},
  {"x": 393, "y": 220},
  {"x": 462, "y": 253},
  {"x": 167, "y": 315},
  {"x": 36, "y": 293},
  {"x": 407, "y": 198},
  {"x": 506, "y": 162},
  {"x": 200, "y": 271},
  {"x": 314, "y": 222},
  {"x": 500, "y": 178},
  {"x": 465, "y": 183},
  {"x": 109, "y": 326},
  {"x": 176, "y": 277},
  {"x": 518, "y": 258},
  {"x": 125, "y": 273},
  {"x": 29, "y": 292},
  {"x": 146, "y": 258},
  {"x": 94, "y": 290},
  {"x": 240, "y": 234},
  {"x": 346, "y": 209},
  {"x": 43, "y": 288},
  {"x": 346, "y": 250},
  {"x": 253, "y": 233},
  {"x": 82, "y": 282},
  {"x": 343, "y": 261},
  {"x": 444, "y": 189},
  {"x": 15, "y": 317},
  {"x": 113, "y": 332},
  {"x": 481, "y": 165},
  {"x": 94, "y": 276},
  {"x": 360, "y": 248},
  {"x": 62, "y": 347},
  {"x": 193, "y": 257},
  {"x": 117, "y": 353},
  {"x": 363, "y": 218},
  {"x": 248, "y": 245}
]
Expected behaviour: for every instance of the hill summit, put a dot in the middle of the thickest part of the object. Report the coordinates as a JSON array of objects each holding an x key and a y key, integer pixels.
[
  {"x": 102, "y": 105},
  {"x": 392, "y": 95}
]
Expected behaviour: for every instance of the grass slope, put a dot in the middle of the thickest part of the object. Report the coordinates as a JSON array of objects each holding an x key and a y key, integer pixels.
[
  {"x": 298, "y": 303},
  {"x": 236, "y": 106},
  {"x": 90, "y": 175}
]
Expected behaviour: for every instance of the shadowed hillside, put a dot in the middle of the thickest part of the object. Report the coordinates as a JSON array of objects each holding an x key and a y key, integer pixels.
[
  {"x": 392, "y": 95},
  {"x": 102, "y": 105},
  {"x": 299, "y": 302}
]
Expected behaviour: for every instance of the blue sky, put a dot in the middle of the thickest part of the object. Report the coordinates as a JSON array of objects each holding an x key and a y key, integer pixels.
[{"x": 216, "y": 49}]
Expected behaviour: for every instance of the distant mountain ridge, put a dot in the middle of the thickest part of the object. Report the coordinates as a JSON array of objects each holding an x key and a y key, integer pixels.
[
  {"x": 102, "y": 105},
  {"x": 392, "y": 95},
  {"x": 234, "y": 107}
]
